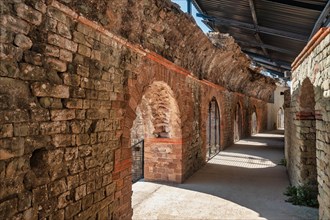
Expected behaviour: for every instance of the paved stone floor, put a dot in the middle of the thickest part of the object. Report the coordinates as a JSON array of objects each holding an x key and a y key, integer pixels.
[{"x": 242, "y": 182}]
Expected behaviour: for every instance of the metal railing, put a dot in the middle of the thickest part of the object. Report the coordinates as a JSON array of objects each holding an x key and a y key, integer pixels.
[{"x": 138, "y": 161}]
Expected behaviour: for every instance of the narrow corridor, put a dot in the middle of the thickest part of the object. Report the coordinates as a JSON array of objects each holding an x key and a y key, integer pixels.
[{"x": 245, "y": 181}]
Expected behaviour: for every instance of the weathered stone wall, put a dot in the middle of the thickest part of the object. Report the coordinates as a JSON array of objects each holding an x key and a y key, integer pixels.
[
  {"x": 69, "y": 89},
  {"x": 309, "y": 146},
  {"x": 160, "y": 26}
]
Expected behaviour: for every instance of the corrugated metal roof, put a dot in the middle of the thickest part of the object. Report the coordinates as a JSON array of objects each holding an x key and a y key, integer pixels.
[{"x": 282, "y": 30}]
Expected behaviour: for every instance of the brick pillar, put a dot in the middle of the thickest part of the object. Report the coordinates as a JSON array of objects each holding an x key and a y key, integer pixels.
[{"x": 163, "y": 160}]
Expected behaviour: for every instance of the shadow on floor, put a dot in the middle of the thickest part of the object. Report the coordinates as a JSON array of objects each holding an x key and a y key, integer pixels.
[{"x": 242, "y": 182}]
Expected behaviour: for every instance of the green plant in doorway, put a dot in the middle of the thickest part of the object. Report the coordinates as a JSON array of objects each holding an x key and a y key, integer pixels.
[{"x": 305, "y": 195}]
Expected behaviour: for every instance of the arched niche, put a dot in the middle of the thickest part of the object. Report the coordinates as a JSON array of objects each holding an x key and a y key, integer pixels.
[
  {"x": 158, "y": 124},
  {"x": 254, "y": 122},
  {"x": 280, "y": 118},
  {"x": 213, "y": 132},
  {"x": 238, "y": 119}
]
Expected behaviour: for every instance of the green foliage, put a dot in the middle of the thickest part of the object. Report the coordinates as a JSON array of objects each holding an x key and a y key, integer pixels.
[
  {"x": 282, "y": 162},
  {"x": 305, "y": 195}
]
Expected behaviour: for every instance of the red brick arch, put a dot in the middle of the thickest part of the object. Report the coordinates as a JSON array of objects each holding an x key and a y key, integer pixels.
[
  {"x": 139, "y": 83},
  {"x": 240, "y": 123},
  {"x": 209, "y": 94}
]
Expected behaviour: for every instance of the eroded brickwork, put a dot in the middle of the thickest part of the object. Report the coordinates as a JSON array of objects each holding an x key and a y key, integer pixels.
[
  {"x": 69, "y": 90},
  {"x": 308, "y": 119}
]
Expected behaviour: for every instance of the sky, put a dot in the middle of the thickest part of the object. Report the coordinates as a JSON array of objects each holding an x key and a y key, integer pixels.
[{"x": 183, "y": 5}]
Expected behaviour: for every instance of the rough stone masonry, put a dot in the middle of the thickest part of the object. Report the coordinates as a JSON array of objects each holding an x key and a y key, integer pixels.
[
  {"x": 72, "y": 74},
  {"x": 307, "y": 124}
]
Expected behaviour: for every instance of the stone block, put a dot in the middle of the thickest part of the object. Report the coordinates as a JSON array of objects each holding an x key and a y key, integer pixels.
[
  {"x": 40, "y": 6},
  {"x": 64, "y": 30},
  {"x": 24, "y": 201},
  {"x": 107, "y": 179},
  {"x": 87, "y": 201},
  {"x": 91, "y": 94},
  {"x": 84, "y": 50},
  {"x": 77, "y": 93},
  {"x": 86, "y": 83},
  {"x": 31, "y": 72},
  {"x": 71, "y": 79},
  {"x": 23, "y": 41},
  {"x": 91, "y": 187},
  {"x": 82, "y": 139},
  {"x": 52, "y": 103},
  {"x": 77, "y": 127},
  {"x": 98, "y": 114},
  {"x": 72, "y": 210},
  {"x": 82, "y": 71},
  {"x": 56, "y": 64},
  {"x": 63, "y": 140},
  {"x": 73, "y": 181},
  {"x": 58, "y": 15},
  {"x": 80, "y": 192},
  {"x": 99, "y": 195},
  {"x": 29, "y": 14},
  {"x": 51, "y": 50},
  {"x": 57, "y": 127},
  {"x": 64, "y": 200},
  {"x": 40, "y": 195},
  {"x": 6, "y": 36},
  {"x": 58, "y": 187},
  {"x": 84, "y": 29},
  {"x": 33, "y": 58},
  {"x": 6, "y": 130},
  {"x": 40, "y": 114},
  {"x": 15, "y": 24},
  {"x": 50, "y": 24},
  {"x": 71, "y": 153},
  {"x": 9, "y": 68},
  {"x": 9, "y": 52},
  {"x": 81, "y": 114},
  {"x": 74, "y": 104},
  {"x": 66, "y": 55},
  {"x": 26, "y": 129},
  {"x": 17, "y": 166},
  {"x": 85, "y": 150},
  {"x": 46, "y": 89},
  {"x": 62, "y": 115},
  {"x": 76, "y": 166},
  {"x": 14, "y": 116},
  {"x": 110, "y": 189},
  {"x": 62, "y": 42},
  {"x": 8, "y": 208},
  {"x": 58, "y": 215}
]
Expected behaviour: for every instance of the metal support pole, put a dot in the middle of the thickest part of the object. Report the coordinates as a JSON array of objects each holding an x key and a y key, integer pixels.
[{"x": 189, "y": 7}]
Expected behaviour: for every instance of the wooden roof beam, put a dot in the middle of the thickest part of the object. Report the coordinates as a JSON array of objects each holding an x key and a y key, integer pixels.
[
  {"x": 255, "y": 22},
  {"x": 270, "y": 47},
  {"x": 248, "y": 26},
  {"x": 320, "y": 20},
  {"x": 299, "y": 4}
]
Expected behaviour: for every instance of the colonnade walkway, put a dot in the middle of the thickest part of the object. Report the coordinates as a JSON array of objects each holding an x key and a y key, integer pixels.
[{"x": 245, "y": 181}]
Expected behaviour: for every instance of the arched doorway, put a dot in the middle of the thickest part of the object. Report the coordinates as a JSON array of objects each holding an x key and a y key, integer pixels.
[
  {"x": 254, "y": 123},
  {"x": 280, "y": 119},
  {"x": 213, "y": 129},
  {"x": 156, "y": 137},
  {"x": 306, "y": 129},
  {"x": 238, "y": 123}
]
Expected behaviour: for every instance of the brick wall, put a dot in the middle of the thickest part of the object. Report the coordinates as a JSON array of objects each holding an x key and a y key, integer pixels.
[
  {"x": 307, "y": 133},
  {"x": 69, "y": 89}
]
